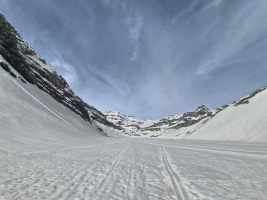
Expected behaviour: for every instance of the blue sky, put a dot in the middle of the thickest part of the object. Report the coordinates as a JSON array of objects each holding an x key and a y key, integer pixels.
[{"x": 149, "y": 58}]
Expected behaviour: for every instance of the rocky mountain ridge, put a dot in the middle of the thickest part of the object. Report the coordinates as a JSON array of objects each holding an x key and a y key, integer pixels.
[
  {"x": 153, "y": 128},
  {"x": 35, "y": 70}
]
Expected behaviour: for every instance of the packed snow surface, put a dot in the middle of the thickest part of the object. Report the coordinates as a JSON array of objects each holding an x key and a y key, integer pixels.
[
  {"x": 49, "y": 152},
  {"x": 124, "y": 168}
]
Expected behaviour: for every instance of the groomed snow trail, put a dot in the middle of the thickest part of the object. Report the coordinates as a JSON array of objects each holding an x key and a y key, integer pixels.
[{"x": 124, "y": 168}]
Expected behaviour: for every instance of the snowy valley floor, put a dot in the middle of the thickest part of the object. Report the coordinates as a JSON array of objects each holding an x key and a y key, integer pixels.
[{"x": 125, "y": 168}]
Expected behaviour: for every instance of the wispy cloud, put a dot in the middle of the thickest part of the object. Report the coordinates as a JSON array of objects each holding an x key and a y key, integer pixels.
[
  {"x": 134, "y": 23},
  {"x": 186, "y": 11},
  {"x": 244, "y": 27},
  {"x": 117, "y": 86},
  {"x": 212, "y": 4}
]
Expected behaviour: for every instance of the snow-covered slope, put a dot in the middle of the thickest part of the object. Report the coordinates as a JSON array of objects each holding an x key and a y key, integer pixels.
[
  {"x": 30, "y": 117},
  {"x": 244, "y": 120}
]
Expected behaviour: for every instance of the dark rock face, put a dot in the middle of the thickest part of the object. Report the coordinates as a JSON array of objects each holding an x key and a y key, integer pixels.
[
  {"x": 7, "y": 69},
  {"x": 187, "y": 119},
  {"x": 36, "y": 71},
  {"x": 10, "y": 51},
  {"x": 246, "y": 99},
  {"x": 221, "y": 108}
]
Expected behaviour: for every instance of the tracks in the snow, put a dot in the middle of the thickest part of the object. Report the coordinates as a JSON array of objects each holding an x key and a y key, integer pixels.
[
  {"x": 98, "y": 172},
  {"x": 177, "y": 183},
  {"x": 133, "y": 169},
  {"x": 99, "y": 190}
]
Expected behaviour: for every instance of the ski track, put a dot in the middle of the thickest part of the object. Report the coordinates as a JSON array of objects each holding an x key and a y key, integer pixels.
[
  {"x": 105, "y": 180},
  {"x": 134, "y": 169},
  {"x": 178, "y": 185}
]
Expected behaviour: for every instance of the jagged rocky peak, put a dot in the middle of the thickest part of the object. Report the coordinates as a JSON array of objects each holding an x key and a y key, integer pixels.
[
  {"x": 200, "y": 112},
  {"x": 128, "y": 123},
  {"x": 202, "y": 109},
  {"x": 115, "y": 116}
]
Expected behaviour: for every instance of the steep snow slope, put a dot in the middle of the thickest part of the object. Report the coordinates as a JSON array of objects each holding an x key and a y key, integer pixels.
[
  {"x": 30, "y": 117},
  {"x": 243, "y": 120}
]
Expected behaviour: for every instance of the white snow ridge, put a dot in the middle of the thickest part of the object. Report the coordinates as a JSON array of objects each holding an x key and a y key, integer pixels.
[{"x": 55, "y": 146}]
